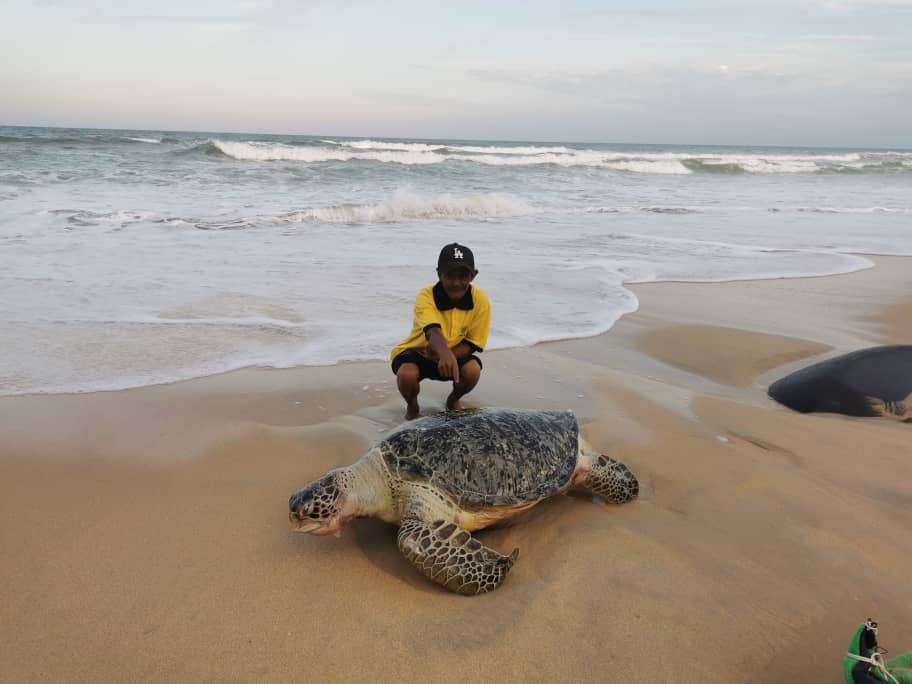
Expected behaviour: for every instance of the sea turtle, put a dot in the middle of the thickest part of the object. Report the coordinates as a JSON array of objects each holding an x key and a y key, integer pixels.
[
  {"x": 442, "y": 477},
  {"x": 876, "y": 381}
]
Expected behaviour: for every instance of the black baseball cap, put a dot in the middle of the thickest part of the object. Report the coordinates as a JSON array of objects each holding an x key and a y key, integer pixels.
[{"x": 455, "y": 256}]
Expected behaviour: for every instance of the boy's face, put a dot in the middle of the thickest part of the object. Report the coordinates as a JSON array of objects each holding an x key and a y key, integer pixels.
[{"x": 456, "y": 283}]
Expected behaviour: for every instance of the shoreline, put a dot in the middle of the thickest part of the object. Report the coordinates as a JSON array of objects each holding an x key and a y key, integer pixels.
[
  {"x": 633, "y": 286},
  {"x": 146, "y": 536}
]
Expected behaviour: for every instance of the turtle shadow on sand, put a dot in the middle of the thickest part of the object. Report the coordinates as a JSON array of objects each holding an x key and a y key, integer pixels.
[
  {"x": 442, "y": 477},
  {"x": 377, "y": 540}
]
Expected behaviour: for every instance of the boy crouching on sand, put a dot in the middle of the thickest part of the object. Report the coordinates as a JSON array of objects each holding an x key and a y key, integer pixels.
[{"x": 451, "y": 324}]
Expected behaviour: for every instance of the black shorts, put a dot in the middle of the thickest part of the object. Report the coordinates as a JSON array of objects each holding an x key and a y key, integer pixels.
[{"x": 427, "y": 369}]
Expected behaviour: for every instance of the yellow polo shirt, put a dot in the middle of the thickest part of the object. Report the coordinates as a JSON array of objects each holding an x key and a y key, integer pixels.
[{"x": 467, "y": 320}]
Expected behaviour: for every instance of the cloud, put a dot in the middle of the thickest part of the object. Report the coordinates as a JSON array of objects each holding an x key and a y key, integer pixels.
[
  {"x": 249, "y": 13},
  {"x": 598, "y": 85},
  {"x": 838, "y": 38},
  {"x": 683, "y": 13},
  {"x": 617, "y": 88},
  {"x": 411, "y": 100},
  {"x": 175, "y": 19},
  {"x": 861, "y": 5}
]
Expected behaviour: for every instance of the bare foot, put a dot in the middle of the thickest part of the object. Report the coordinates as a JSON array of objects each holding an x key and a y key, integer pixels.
[
  {"x": 453, "y": 404},
  {"x": 411, "y": 411}
]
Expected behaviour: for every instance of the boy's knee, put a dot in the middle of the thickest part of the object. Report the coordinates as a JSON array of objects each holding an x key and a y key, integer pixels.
[
  {"x": 408, "y": 373},
  {"x": 469, "y": 373}
]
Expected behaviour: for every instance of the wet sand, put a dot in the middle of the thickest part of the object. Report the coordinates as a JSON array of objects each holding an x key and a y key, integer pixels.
[{"x": 145, "y": 533}]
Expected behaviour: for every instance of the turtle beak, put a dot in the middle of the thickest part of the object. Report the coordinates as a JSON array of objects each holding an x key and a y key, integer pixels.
[
  {"x": 305, "y": 525},
  {"x": 316, "y": 527}
]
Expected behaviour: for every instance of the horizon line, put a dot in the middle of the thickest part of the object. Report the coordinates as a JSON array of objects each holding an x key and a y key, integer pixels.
[{"x": 458, "y": 139}]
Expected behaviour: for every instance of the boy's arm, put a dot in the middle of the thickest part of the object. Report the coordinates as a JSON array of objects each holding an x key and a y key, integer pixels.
[
  {"x": 477, "y": 335},
  {"x": 463, "y": 350},
  {"x": 447, "y": 365}
]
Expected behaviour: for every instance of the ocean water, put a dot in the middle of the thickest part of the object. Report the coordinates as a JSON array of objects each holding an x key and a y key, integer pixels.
[{"x": 137, "y": 257}]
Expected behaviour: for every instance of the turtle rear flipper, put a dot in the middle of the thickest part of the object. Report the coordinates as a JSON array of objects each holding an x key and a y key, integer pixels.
[
  {"x": 451, "y": 557},
  {"x": 897, "y": 410},
  {"x": 611, "y": 480}
]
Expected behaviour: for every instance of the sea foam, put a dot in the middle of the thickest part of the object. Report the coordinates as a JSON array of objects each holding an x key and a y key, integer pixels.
[
  {"x": 406, "y": 205},
  {"x": 127, "y": 261},
  {"x": 639, "y": 162}
]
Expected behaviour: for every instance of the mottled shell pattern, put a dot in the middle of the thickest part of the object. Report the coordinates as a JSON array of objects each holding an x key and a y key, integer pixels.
[{"x": 487, "y": 457}]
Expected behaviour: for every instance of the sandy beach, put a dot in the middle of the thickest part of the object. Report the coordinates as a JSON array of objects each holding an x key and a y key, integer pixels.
[{"x": 145, "y": 533}]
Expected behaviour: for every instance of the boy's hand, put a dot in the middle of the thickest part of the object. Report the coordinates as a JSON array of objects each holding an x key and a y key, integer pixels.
[{"x": 448, "y": 366}]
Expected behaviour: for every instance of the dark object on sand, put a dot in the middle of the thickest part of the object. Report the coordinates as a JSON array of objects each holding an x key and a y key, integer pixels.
[{"x": 869, "y": 382}]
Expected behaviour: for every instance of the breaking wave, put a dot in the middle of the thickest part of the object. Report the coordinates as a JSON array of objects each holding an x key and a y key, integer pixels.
[
  {"x": 18, "y": 179},
  {"x": 856, "y": 210},
  {"x": 408, "y": 206},
  {"x": 632, "y": 210},
  {"x": 666, "y": 163}
]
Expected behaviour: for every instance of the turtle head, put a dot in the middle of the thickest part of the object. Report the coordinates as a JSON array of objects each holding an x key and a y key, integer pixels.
[{"x": 318, "y": 508}]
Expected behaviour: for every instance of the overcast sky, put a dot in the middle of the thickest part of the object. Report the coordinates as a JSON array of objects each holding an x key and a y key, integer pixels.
[{"x": 771, "y": 72}]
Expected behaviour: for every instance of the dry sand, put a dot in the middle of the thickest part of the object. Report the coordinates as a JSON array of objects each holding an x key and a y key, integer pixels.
[{"x": 145, "y": 538}]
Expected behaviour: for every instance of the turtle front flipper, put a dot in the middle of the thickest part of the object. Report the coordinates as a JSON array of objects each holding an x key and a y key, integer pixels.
[
  {"x": 611, "y": 480},
  {"x": 451, "y": 557}
]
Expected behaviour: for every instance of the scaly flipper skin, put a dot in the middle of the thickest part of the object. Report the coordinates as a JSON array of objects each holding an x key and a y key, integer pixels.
[
  {"x": 897, "y": 410},
  {"x": 611, "y": 480},
  {"x": 448, "y": 555}
]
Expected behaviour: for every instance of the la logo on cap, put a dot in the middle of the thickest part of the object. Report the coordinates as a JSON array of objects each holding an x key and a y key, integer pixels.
[{"x": 455, "y": 255}]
